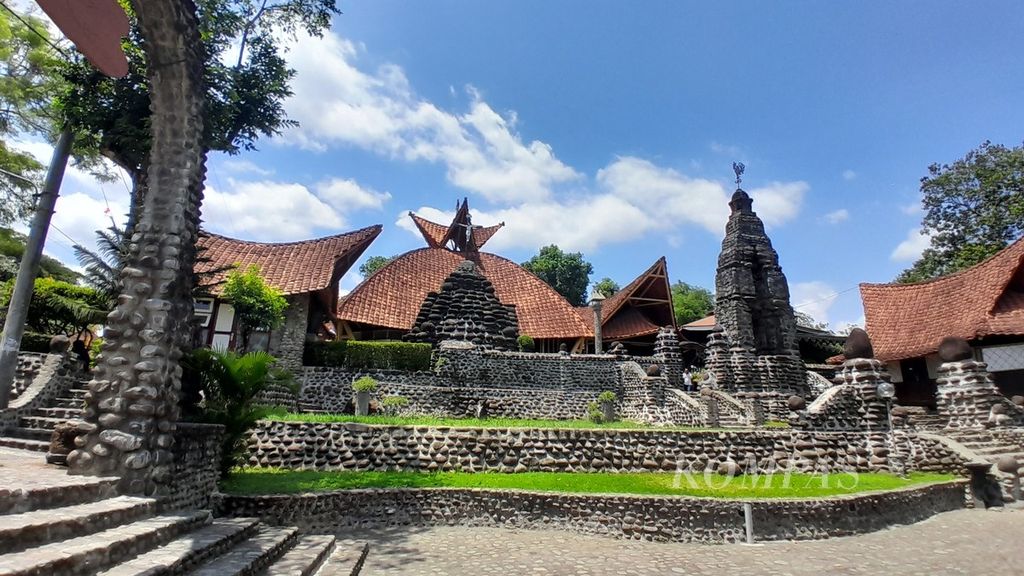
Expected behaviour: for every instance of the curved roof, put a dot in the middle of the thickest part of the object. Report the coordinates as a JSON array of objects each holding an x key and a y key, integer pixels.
[
  {"x": 392, "y": 296},
  {"x": 987, "y": 299},
  {"x": 292, "y": 267}
]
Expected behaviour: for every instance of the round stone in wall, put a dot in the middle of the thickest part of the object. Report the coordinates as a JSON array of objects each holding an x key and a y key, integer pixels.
[
  {"x": 1008, "y": 464},
  {"x": 654, "y": 370},
  {"x": 59, "y": 344},
  {"x": 953, "y": 349},
  {"x": 858, "y": 345},
  {"x": 796, "y": 403}
]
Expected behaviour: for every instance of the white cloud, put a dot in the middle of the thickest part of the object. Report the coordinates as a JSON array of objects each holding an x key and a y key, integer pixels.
[
  {"x": 814, "y": 298},
  {"x": 337, "y": 103},
  {"x": 239, "y": 166},
  {"x": 912, "y": 209},
  {"x": 778, "y": 202},
  {"x": 347, "y": 195},
  {"x": 837, "y": 216},
  {"x": 267, "y": 211},
  {"x": 349, "y": 281},
  {"x": 911, "y": 247},
  {"x": 80, "y": 215},
  {"x": 849, "y": 174},
  {"x": 727, "y": 150}
]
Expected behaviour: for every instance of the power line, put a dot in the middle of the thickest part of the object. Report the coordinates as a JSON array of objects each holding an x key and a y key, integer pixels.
[
  {"x": 828, "y": 297},
  {"x": 34, "y": 31}
]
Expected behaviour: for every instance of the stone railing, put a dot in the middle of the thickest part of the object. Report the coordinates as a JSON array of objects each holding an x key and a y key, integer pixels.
[
  {"x": 656, "y": 518},
  {"x": 52, "y": 376}
]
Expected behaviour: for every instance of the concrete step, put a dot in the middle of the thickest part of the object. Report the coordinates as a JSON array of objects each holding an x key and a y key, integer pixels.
[
  {"x": 251, "y": 555},
  {"x": 71, "y": 490},
  {"x": 190, "y": 550},
  {"x": 40, "y": 434},
  {"x": 60, "y": 413},
  {"x": 40, "y": 422},
  {"x": 24, "y": 444},
  {"x": 66, "y": 402},
  {"x": 38, "y": 527},
  {"x": 101, "y": 550},
  {"x": 304, "y": 559}
]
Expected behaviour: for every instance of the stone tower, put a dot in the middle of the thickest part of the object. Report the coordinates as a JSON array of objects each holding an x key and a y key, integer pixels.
[{"x": 755, "y": 348}]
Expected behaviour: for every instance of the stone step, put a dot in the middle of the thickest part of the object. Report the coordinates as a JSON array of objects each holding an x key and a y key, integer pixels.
[
  {"x": 77, "y": 393},
  {"x": 60, "y": 413},
  {"x": 349, "y": 557},
  {"x": 38, "y": 527},
  {"x": 304, "y": 559},
  {"x": 68, "y": 492},
  {"x": 39, "y": 434},
  {"x": 40, "y": 422},
  {"x": 251, "y": 555},
  {"x": 190, "y": 550},
  {"x": 67, "y": 402},
  {"x": 94, "y": 552},
  {"x": 24, "y": 444}
]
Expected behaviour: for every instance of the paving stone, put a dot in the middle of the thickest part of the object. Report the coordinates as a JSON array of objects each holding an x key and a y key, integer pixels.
[{"x": 28, "y": 483}]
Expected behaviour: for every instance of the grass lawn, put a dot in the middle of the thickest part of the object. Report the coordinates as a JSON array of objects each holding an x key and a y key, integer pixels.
[
  {"x": 285, "y": 416},
  {"x": 264, "y": 481}
]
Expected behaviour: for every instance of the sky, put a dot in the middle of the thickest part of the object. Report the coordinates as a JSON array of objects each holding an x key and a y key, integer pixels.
[{"x": 610, "y": 128}]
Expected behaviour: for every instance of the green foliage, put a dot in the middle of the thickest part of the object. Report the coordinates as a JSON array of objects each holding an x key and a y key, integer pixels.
[
  {"x": 58, "y": 307},
  {"x": 246, "y": 78},
  {"x": 567, "y": 273},
  {"x": 8, "y": 268},
  {"x": 12, "y": 246},
  {"x": 691, "y": 302},
  {"x": 95, "y": 347},
  {"x": 392, "y": 405},
  {"x": 35, "y": 342},
  {"x": 607, "y": 397},
  {"x": 440, "y": 363},
  {"x": 374, "y": 263},
  {"x": 364, "y": 384},
  {"x": 974, "y": 208},
  {"x": 594, "y": 413},
  {"x": 526, "y": 343},
  {"x": 258, "y": 306},
  {"x": 231, "y": 383},
  {"x": 490, "y": 423},
  {"x": 807, "y": 321},
  {"x": 103, "y": 267},
  {"x": 607, "y": 287},
  {"x": 778, "y": 485},
  {"x": 369, "y": 355}
]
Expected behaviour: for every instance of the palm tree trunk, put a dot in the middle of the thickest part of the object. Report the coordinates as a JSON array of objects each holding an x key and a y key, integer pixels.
[{"x": 132, "y": 404}]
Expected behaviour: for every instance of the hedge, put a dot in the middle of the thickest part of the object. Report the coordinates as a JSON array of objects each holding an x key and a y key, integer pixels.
[
  {"x": 371, "y": 354},
  {"x": 35, "y": 342}
]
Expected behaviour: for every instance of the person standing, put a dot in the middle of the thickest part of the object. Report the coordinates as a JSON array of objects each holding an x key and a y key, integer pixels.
[{"x": 687, "y": 380}]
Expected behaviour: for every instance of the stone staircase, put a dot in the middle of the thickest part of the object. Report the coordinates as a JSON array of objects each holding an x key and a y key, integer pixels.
[
  {"x": 33, "y": 431},
  {"x": 51, "y": 524},
  {"x": 986, "y": 445},
  {"x": 924, "y": 418}
]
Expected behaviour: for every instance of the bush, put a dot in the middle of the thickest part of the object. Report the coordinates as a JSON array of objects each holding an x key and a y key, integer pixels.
[
  {"x": 364, "y": 384},
  {"x": 35, "y": 342},
  {"x": 440, "y": 363},
  {"x": 594, "y": 413},
  {"x": 369, "y": 355},
  {"x": 526, "y": 343},
  {"x": 392, "y": 405},
  {"x": 606, "y": 397}
]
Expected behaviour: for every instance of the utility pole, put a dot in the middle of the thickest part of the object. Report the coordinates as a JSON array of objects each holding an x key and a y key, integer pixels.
[{"x": 17, "y": 310}]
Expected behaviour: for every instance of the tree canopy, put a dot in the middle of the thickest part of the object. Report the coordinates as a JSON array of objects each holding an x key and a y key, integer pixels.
[
  {"x": 974, "y": 208},
  {"x": 807, "y": 321},
  {"x": 374, "y": 263},
  {"x": 691, "y": 302},
  {"x": 59, "y": 307},
  {"x": 257, "y": 304},
  {"x": 606, "y": 287},
  {"x": 568, "y": 273},
  {"x": 12, "y": 246}
]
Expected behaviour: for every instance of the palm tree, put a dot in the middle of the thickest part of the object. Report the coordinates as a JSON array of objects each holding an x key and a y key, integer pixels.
[{"x": 103, "y": 267}]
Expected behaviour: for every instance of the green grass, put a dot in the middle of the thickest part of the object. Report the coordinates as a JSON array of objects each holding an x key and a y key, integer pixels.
[{"x": 273, "y": 481}]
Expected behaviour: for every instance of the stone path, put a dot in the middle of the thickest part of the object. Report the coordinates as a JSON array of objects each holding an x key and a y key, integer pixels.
[{"x": 960, "y": 542}]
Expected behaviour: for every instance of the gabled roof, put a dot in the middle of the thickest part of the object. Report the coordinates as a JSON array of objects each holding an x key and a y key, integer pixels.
[
  {"x": 392, "y": 296},
  {"x": 987, "y": 299},
  {"x": 292, "y": 267},
  {"x": 621, "y": 315}
]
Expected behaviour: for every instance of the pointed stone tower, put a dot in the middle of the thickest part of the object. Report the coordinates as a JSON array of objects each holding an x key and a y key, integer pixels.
[{"x": 756, "y": 351}]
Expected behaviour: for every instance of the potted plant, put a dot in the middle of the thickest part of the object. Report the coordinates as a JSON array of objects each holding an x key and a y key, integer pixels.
[
  {"x": 362, "y": 387},
  {"x": 606, "y": 400}
]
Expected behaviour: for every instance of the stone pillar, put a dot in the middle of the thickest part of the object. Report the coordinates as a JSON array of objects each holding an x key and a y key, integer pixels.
[
  {"x": 288, "y": 342},
  {"x": 666, "y": 351},
  {"x": 966, "y": 396}
]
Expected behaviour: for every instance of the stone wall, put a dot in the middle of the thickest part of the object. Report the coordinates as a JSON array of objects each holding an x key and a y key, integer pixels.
[
  {"x": 52, "y": 375},
  {"x": 350, "y": 446},
  {"x": 665, "y": 519},
  {"x": 197, "y": 451},
  {"x": 968, "y": 397},
  {"x": 289, "y": 340},
  {"x": 29, "y": 365}
]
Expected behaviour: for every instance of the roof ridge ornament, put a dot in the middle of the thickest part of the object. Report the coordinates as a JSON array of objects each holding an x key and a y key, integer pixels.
[{"x": 738, "y": 168}]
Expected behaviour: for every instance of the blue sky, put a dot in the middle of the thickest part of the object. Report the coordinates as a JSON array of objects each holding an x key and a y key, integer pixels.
[{"x": 610, "y": 128}]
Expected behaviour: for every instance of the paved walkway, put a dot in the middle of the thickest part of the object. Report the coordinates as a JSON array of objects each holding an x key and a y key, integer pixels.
[{"x": 960, "y": 542}]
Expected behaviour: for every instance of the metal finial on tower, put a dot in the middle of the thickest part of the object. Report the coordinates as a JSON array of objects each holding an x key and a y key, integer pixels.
[{"x": 738, "y": 168}]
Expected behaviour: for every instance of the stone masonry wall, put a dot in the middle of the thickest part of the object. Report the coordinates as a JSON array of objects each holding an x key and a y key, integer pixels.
[
  {"x": 196, "y": 450},
  {"x": 349, "y": 446},
  {"x": 289, "y": 340},
  {"x": 52, "y": 376},
  {"x": 655, "y": 518}
]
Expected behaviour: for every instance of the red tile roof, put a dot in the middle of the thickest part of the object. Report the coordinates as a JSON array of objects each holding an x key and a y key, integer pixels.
[
  {"x": 629, "y": 323},
  {"x": 909, "y": 320},
  {"x": 437, "y": 234},
  {"x": 392, "y": 296},
  {"x": 707, "y": 322},
  {"x": 292, "y": 267}
]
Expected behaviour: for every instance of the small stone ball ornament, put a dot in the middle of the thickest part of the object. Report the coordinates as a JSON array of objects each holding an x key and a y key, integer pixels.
[
  {"x": 796, "y": 403},
  {"x": 59, "y": 344},
  {"x": 653, "y": 370},
  {"x": 1008, "y": 464},
  {"x": 953, "y": 349},
  {"x": 858, "y": 345}
]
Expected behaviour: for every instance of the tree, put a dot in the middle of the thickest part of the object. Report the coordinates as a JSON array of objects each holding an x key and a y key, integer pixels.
[
  {"x": 568, "y": 273},
  {"x": 12, "y": 246},
  {"x": 103, "y": 267},
  {"x": 374, "y": 263},
  {"x": 974, "y": 208},
  {"x": 606, "y": 287},
  {"x": 244, "y": 72},
  {"x": 59, "y": 307},
  {"x": 807, "y": 321},
  {"x": 691, "y": 302},
  {"x": 258, "y": 306}
]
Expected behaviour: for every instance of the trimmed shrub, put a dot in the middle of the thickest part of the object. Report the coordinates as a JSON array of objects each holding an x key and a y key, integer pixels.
[
  {"x": 364, "y": 384},
  {"x": 392, "y": 405},
  {"x": 594, "y": 413},
  {"x": 526, "y": 343},
  {"x": 369, "y": 355},
  {"x": 35, "y": 342}
]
